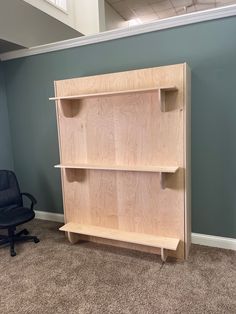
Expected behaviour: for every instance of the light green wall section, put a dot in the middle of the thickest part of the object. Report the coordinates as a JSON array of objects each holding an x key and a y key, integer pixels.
[
  {"x": 209, "y": 48},
  {"x": 6, "y": 161}
]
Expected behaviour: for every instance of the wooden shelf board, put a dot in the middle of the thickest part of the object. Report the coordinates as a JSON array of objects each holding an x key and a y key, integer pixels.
[
  {"x": 123, "y": 92},
  {"x": 124, "y": 236},
  {"x": 166, "y": 169}
]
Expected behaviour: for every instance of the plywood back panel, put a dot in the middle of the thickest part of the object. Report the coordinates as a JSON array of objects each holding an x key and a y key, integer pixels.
[
  {"x": 131, "y": 201},
  {"x": 126, "y": 130},
  {"x": 136, "y": 79}
]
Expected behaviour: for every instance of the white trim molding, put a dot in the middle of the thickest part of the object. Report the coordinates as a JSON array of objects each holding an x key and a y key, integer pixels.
[
  {"x": 214, "y": 241},
  {"x": 49, "y": 216},
  {"x": 197, "y": 238},
  {"x": 171, "y": 22}
]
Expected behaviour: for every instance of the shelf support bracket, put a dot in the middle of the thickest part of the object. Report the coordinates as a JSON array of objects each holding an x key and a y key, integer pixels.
[
  {"x": 163, "y": 180},
  {"x": 163, "y": 255},
  {"x": 162, "y": 99}
]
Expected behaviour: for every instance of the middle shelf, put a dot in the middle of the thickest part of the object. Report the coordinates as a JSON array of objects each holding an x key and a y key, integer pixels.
[{"x": 164, "y": 169}]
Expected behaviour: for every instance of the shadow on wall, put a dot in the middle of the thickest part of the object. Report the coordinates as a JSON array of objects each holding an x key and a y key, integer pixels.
[{"x": 48, "y": 198}]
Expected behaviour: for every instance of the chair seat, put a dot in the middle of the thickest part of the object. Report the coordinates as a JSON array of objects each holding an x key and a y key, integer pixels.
[{"x": 15, "y": 216}]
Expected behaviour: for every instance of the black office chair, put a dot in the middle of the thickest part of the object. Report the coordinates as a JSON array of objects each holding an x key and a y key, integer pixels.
[{"x": 12, "y": 211}]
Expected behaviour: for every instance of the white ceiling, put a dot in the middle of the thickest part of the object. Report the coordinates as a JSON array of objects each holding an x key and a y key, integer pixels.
[{"x": 149, "y": 10}]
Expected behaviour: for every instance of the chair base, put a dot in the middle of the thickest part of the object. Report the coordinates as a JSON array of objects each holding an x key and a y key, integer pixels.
[{"x": 12, "y": 237}]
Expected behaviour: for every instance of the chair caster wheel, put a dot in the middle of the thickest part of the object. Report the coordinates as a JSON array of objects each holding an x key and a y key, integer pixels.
[
  {"x": 13, "y": 253},
  {"x": 25, "y": 232},
  {"x": 36, "y": 240}
]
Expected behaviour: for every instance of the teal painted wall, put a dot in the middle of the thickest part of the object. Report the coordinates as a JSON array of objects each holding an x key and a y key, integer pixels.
[
  {"x": 209, "y": 48},
  {"x": 6, "y": 160}
]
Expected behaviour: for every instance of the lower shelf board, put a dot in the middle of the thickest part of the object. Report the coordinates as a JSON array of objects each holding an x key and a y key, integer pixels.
[{"x": 124, "y": 236}]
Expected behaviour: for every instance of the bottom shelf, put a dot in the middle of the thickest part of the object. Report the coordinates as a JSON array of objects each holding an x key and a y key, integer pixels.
[{"x": 124, "y": 236}]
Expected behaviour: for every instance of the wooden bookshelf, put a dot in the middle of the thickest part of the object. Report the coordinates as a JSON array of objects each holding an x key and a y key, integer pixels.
[{"x": 120, "y": 136}]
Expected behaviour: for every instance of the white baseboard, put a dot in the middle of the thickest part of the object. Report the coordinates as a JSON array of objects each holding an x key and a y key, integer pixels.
[
  {"x": 49, "y": 216},
  {"x": 197, "y": 238},
  {"x": 214, "y": 241}
]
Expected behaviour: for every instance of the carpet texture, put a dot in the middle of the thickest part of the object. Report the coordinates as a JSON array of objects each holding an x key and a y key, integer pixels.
[{"x": 54, "y": 276}]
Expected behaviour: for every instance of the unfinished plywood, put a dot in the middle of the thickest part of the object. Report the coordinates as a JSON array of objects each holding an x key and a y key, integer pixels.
[
  {"x": 120, "y": 136},
  {"x": 164, "y": 169},
  {"x": 105, "y": 131},
  {"x": 163, "y": 90},
  {"x": 115, "y": 234}
]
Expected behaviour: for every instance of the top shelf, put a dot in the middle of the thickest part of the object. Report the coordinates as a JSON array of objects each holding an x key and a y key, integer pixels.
[
  {"x": 123, "y": 92},
  {"x": 165, "y": 169}
]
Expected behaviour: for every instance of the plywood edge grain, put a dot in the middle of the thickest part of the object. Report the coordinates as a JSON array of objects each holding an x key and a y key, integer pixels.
[
  {"x": 187, "y": 156},
  {"x": 166, "y": 169}
]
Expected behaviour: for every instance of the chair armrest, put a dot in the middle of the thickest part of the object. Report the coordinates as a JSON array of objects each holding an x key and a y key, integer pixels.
[{"x": 31, "y": 198}]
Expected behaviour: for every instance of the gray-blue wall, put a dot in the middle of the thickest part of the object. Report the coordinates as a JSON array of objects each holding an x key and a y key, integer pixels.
[
  {"x": 210, "y": 50},
  {"x": 6, "y": 160}
]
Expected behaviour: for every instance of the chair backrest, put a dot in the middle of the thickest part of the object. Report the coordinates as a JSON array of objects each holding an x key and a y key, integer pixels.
[{"x": 10, "y": 196}]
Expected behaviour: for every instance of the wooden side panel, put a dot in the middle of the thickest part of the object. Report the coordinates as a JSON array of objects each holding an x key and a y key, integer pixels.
[
  {"x": 60, "y": 150},
  {"x": 187, "y": 152},
  {"x": 128, "y": 129}
]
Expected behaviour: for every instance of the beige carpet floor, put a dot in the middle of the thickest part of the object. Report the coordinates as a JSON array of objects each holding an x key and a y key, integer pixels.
[{"x": 54, "y": 276}]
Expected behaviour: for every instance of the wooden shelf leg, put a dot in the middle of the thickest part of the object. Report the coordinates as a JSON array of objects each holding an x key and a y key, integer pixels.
[
  {"x": 72, "y": 237},
  {"x": 163, "y": 255}
]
